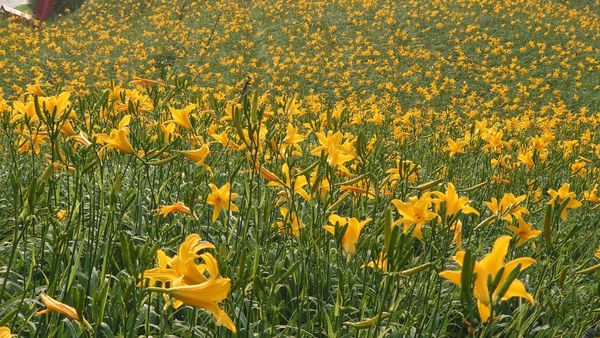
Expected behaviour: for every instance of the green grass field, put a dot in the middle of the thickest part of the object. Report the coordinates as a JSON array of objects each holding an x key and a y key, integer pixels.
[{"x": 306, "y": 169}]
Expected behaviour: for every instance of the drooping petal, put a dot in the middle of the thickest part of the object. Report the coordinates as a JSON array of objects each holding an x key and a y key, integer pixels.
[
  {"x": 52, "y": 305},
  {"x": 330, "y": 229},
  {"x": 524, "y": 261},
  {"x": 517, "y": 289},
  {"x": 453, "y": 276},
  {"x": 484, "y": 311}
]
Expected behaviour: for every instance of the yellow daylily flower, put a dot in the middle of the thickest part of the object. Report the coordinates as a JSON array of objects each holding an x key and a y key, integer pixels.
[
  {"x": 578, "y": 168},
  {"x": 291, "y": 218},
  {"x": 206, "y": 296},
  {"x": 323, "y": 184},
  {"x": 457, "y": 237},
  {"x": 494, "y": 141},
  {"x": 524, "y": 232},
  {"x": 488, "y": 268},
  {"x": 182, "y": 116},
  {"x": 118, "y": 140},
  {"x": 36, "y": 88},
  {"x": 455, "y": 147},
  {"x": 267, "y": 174},
  {"x": 32, "y": 141},
  {"x": 454, "y": 203},
  {"x": 24, "y": 111},
  {"x": 56, "y": 106},
  {"x": 502, "y": 160},
  {"x": 197, "y": 155},
  {"x": 68, "y": 129},
  {"x": 563, "y": 193},
  {"x": 182, "y": 269},
  {"x": 592, "y": 195},
  {"x": 220, "y": 198},
  {"x": 297, "y": 187},
  {"x": 53, "y": 305},
  {"x": 416, "y": 211},
  {"x": 337, "y": 152},
  {"x": 197, "y": 285},
  {"x": 124, "y": 122},
  {"x": 508, "y": 207},
  {"x": 526, "y": 157},
  {"x": 165, "y": 210},
  {"x": 5, "y": 332},
  {"x": 353, "y": 230},
  {"x": 597, "y": 253},
  {"x": 61, "y": 214},
  {"x": 380, "y": 263},
  {"x": 404, "y": 169},
  {"x": 168, "y": 131},
  {"x": 291, "y": 140},
  {"x": 223, "y": 138}
]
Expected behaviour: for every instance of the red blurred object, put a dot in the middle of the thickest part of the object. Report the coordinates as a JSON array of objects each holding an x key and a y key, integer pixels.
[{"x": 44, "y": 9}]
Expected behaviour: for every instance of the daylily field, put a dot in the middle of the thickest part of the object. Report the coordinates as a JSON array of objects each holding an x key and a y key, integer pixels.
[{"x": 301, "y": 169}]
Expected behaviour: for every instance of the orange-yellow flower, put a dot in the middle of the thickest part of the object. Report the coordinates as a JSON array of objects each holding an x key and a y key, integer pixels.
[
  {"x": 165, "y": 210},
  {"x": 56, "y": 106},
  {"x": 290, "y": 223},
  {"x": 526, "y": 157},
  {"x": 206, "y": 296},
  {"x": 197, "y": 155},
  {"x": 32, "y": 141},
  {"x": 61, "y": 214},
  {"x": 53, "y": 305},
  {"x": 5, "y": 332},
  {"x": 193, "y": 284},
  {"x": 353, "y": 230},
  {"x": 508, "y": 207},
  {"x": 524, "y": 232},
  {"x": 182, "y": 116},
  {"x": 36, "y": 88},
  {"x": 223, "y": 138},
  {"x": 561, "y": 195},
  {"x": 338, "y": 152},
  {"x": 24, "y": 111},
  {"x": 455, "y": 147},
  {"x": 454, "y": 203},
  {"x": 118, "y": 139},
  {"x": 457, "y": 237},
  {"x": 405, "y": 169},
  {"x": 380, "y": 263},
  {"x": 488, "y": 269},
  {"x": 220, "y": 198},
  {"x": 292, "y": 140},
  {"x": 67, "y": 128},
  {"x": 578, "y": 168},
  {"x": 297, "y": 186},
  {"x": 592, "y": 195},
  {"x": 416, "y": 211},
  {"x": 494, "y": 141},
  {"x": 182, "y": 269},
  {"x": 168, "y": 131}
]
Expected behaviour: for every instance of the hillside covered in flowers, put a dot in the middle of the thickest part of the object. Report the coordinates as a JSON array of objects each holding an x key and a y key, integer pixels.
[{"x": 308, "y": 168}]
